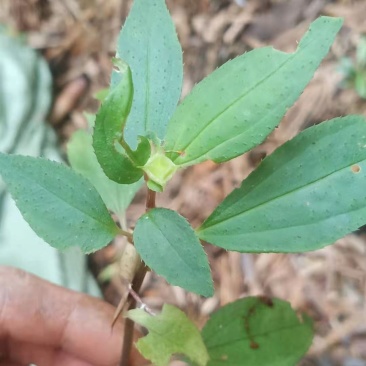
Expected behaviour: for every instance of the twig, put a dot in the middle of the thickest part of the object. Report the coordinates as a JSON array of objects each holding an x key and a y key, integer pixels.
[
  {"x": 119, "y": 309},
  {"x": 139, "y": 300}
]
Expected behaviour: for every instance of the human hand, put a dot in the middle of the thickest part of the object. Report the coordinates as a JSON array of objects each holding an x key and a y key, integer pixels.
[{"x": 48, "y": 325}]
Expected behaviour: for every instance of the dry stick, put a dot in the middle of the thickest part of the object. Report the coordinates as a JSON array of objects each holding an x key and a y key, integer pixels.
[
  {"x": 138, "y": 299},
  {"x": 136, "y": 285}
]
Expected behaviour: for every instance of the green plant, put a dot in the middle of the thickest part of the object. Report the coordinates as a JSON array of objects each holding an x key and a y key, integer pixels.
[
  {"x": 304, "y": 196},
  {"x": 355, "y": 72}
]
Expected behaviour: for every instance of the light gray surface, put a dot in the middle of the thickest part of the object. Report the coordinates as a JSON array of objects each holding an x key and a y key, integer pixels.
[{"x": 25, "y": 99}]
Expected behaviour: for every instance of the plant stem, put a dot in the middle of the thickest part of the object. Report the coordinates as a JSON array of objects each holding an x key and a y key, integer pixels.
[
  {"x": 129, "y": 324},
  {"x": 136, "y": 285},
  {"x": 127, "y": 234},
  {"x": 150, "y": 200},
  {"x": 127, "y": 340}
]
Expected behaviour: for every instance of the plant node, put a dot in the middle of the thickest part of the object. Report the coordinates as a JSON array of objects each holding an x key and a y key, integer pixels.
[{"x": 159, "y": 170}]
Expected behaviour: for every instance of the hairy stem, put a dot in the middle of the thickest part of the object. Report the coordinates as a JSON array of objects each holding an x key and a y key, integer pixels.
[{"x": 136, "y": 285}]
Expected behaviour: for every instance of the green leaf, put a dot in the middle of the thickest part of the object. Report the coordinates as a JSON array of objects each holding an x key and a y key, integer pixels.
[
  {"x": 257, "y": 331},
  {"x": 117, "y": 197},
  {"x": 361, "y": 53},
  {"x": 90, "y": 119},
  {"x": 308, "y": 193},
  {"x": 238, "y": 105},
  {"x": 117, "y": 160},
  {"x": 168, "y": 245},
  {"x": 101, "y": 94},
  {"x": 170, "y": 333},
  {"x": 61, "y": 206},
  {"x": 149, "y": 44},
  {"x": 360, "y": 84}
]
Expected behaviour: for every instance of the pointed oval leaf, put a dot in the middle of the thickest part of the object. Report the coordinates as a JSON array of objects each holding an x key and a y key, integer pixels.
[
  {"x": 238, "y": 105},
  {"x": 149, "y": 44},
  {"x": 308, "y": 193},
  {"x": 169, "y": 246},
  {"x": 116, "y": 161},
  {"x": 170, "y": 332},
  {"x": 61, "y": 206},
  {"x": 117, "y": 197},
  {"x": 257, "y": 331}
]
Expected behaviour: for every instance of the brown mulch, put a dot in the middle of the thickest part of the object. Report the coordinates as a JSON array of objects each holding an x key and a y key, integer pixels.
[{"x": 78, "y": 39}]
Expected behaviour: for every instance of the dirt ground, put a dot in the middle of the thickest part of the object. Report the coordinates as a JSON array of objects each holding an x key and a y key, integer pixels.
[{"x": 78, "y": 39}]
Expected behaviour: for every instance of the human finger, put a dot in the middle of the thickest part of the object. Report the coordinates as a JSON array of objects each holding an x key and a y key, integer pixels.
[
  {"x": 23, "y": 353},
  {"x": 35, "y": 311}
]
